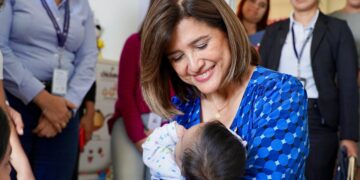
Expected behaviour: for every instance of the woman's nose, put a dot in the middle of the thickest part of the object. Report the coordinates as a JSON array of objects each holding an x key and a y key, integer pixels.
[{"x": 195, "y": 64}]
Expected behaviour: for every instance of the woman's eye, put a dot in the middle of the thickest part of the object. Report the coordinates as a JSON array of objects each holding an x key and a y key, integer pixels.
[
  {"x": 202, "y": 46},
  {"x": 262, "y": 5},
  {"x": 176, "y": 58}
]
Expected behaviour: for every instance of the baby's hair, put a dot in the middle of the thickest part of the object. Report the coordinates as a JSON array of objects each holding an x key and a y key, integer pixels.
[
  {"x": 4, "y": 134},
  {"x": 217, "y": 155}
]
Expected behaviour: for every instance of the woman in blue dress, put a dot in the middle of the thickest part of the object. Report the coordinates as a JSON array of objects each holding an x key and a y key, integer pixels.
[{"x": 202, "y": 49}]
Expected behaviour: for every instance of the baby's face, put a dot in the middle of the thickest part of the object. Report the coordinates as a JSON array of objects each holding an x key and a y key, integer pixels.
[
  {"x": 5, "y": 167},
  {"x": 186, "y": 139}
]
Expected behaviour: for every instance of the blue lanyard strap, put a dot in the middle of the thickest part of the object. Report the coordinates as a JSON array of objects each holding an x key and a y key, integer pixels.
[
  {"x": 299, "y": 55},
  {"x": 61, "y": 35}
]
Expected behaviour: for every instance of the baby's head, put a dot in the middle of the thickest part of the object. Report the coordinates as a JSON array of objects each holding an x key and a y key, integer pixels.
[
  {"x": 5, "y": 149},
  {"x": 210, "y": 151}
]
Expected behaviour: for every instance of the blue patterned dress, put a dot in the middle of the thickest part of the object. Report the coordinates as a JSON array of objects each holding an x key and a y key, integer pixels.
[{"x": 272, "y": 118}]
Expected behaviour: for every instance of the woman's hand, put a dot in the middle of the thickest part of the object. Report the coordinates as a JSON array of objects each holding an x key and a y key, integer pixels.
[
  {"x": 54, "y": 108},
  {"x": 351, "y": 147},
  {"x": 16, "y": 119},
  {"x": 45, "y": 128},
  {"x": 138, "y": 144},
  {"x": 87, "y": 123}
]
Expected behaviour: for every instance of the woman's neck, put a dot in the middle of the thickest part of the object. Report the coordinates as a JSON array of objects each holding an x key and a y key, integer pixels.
[
  {"x": 305, "y": 17},
  {"x": 249, "y": 27},
  {"x": 58, "y": 2},
  {"x": 222, "y": 96},
  {"x": 351, "y": 9},
  {"x": 223, "y": 105}
]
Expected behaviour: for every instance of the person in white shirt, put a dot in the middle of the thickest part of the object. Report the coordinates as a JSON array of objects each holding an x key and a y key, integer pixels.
[{"x": 320, "y": 51}]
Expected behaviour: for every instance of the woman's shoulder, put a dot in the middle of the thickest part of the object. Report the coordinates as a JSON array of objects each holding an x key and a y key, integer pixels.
[
  {"x": 272, "y": 80},
  {"x": 185, "y": 105},
  {"x": 190, "y": 111}
]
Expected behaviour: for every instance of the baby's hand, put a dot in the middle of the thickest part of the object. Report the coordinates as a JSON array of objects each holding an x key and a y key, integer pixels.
[{"x": 180, "y": 130}]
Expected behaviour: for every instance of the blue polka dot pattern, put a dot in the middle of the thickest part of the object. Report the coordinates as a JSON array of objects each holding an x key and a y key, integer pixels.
[{"x": 272, "y": 118}]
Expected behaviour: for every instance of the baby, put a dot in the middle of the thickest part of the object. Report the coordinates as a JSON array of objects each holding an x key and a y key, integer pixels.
[
  {"x": 5, "y": 149},
  {"x": 205, "y": 151}
]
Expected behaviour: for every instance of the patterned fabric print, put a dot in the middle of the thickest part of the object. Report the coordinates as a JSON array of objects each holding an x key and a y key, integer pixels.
[
  {"x": 272, "y": 118},
  {"x": 159, "y": 153}
]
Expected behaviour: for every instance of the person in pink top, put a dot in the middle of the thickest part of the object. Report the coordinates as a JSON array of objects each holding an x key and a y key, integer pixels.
[
  {"x": 126, "y": 126},
  {"x": 130, "y": 104}
]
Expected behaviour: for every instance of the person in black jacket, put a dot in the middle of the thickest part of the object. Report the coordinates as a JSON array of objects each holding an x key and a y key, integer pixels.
[{"x": 320, "y": 51}]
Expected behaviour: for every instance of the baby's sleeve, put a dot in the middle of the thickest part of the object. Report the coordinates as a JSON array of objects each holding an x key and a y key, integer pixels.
[{"x": 159, "y": 153}]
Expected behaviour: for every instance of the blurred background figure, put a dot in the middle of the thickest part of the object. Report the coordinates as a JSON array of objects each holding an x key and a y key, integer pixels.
[
  {"x": 48, "y": 69},
  {"x": 254, "y": 16},
  {"x": 320, "y": 51},
  {"x": 351, "y": 14},
  {"x": 129, "y": 125},
  {"x": 126, "y": 126}
]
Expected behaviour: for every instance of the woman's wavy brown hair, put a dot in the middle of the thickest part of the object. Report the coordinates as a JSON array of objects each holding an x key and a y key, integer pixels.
[{"x": 156, "y": 70}]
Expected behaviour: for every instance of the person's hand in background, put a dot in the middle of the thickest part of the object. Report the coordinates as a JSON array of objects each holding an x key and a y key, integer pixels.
[
  {"x": 87, "y": 120},
  {"x": 46, "y": 129},
  {"x": 55, "y": 108}
]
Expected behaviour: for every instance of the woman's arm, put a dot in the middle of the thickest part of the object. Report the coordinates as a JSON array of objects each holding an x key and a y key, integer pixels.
[
  {"x": 84, "y": 63},
  {"x": 23, "y": 85}
]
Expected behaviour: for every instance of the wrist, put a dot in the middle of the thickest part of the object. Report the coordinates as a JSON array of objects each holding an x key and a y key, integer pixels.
[{"x": 41, "y": 99}]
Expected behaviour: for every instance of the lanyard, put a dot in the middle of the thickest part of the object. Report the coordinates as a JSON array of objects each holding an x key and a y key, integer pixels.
[
  {"x": 299, "y": 54},
  {"x": 61, "y": 35}
]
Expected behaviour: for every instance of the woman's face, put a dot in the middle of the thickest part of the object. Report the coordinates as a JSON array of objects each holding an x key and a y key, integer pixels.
[
  {"x": 354, "y": 3},
  {"x": 254, "y": 10},
  {"x": 304, "y": 5},
  {"x": 199, "y": 54}
]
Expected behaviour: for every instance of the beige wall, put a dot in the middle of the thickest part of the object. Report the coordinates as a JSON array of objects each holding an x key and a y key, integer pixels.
[{"x": 282, "y": 8}]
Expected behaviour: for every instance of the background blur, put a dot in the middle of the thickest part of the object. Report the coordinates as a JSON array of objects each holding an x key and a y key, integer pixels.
[{"x": 120, "y": 18}]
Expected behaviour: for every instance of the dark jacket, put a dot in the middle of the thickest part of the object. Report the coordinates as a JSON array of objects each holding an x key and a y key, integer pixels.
[{"x": 334, "y": 66}]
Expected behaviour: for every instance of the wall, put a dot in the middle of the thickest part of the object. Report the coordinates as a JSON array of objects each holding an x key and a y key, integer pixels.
[{"x": 119, "y": 19}]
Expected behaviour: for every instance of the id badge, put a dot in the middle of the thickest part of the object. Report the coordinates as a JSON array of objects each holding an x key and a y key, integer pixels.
[
  {"x": 154, "y": 121},
  {"x": 59, "y": 82}
]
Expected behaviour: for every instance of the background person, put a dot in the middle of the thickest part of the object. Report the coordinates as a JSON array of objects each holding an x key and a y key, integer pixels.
[
  {"x": 254, "y": 15},
  {"x": 351, "y": 14},
  {"x": 62, "y": 43},
  {"x": 320, "y": 51}
]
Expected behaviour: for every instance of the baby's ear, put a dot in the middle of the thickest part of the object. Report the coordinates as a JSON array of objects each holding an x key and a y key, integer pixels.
[{"x": 180, "y": 130}]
